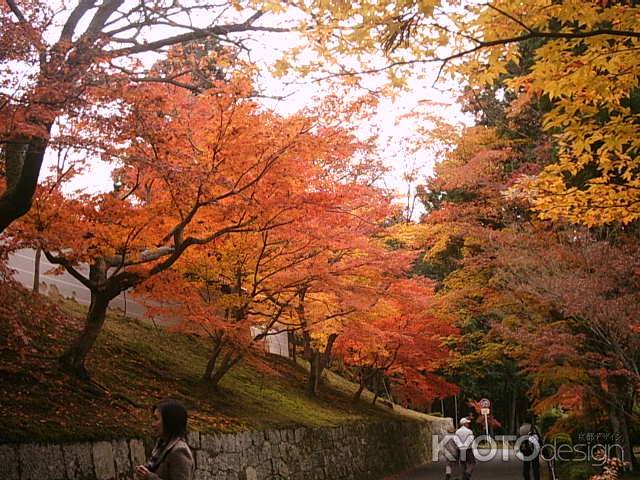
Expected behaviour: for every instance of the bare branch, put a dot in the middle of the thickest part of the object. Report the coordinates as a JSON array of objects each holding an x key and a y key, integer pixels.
[{"x": 510, "y": 17}]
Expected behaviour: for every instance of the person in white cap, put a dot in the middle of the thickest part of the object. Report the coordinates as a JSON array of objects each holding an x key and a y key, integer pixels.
[{"x": 464, "y": 441}]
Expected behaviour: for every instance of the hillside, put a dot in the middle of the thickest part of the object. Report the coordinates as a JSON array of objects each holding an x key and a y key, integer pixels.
[{"x": 139, "y": 364}]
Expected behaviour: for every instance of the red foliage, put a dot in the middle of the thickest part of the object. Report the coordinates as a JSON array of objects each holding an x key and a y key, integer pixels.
[
  {"x": 22, "y": 312},
  {"x": 397, "y": 336}
]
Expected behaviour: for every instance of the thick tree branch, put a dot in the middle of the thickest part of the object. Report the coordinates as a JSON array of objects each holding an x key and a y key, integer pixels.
[
  {"x": 16, "y": 11},
  {"x": 216, "y": 31},
  {"x": 108, "y": 8},
  {"x": 16, "y": 201},
  {"x": 64, "y": 262},
  {"x": 72, "y": 22},
  {"x": 190, "y": 241}
]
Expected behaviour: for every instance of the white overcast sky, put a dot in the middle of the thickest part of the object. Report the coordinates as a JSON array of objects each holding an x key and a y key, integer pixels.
[{"x": 388, "y": 120}]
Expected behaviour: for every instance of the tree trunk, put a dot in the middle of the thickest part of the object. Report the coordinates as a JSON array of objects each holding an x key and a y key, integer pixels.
[
  {"x": 621, "y": 395},
  {"x": 306, "y": 345},
  {"x": 213, "y": 358},
  {"x": 227, "y": 363},
  {"x": 312, "y": 383},
  {"x": 627, "y": 415},
  {"x": 325, "y": 357},
  {"x": 292, "y": 346},
  {"x": 387, "y": 389},
  {"x": 23, "y": 160},
  {"x": 621, "y": 439},
  {"x": 376, "y": 389},
  {"x": 358, "y": 393},
  {"x": 74, "y": 358},
  {"x": 36, "y": 271},
  {"x": 318, "y": 362},
  {"x": 513, "y": 427},
  {"x": 214, "y": 371},
  {"x": 626, "y": 440},
  {"x": 311, "y": 355}
]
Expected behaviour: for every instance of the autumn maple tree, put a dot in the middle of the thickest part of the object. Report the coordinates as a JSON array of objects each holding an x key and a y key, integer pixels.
[
  {"x": 343, "y": 279},
  {"x": 583, "y": 353},
  {"x": 326, "y": 303},
  {"x": 188, "y": 169},
  {"x": 398, "y": 339},
  {"x": 310, "y": 213},
  {"x": 53, "y": 59},
  {"x": 584, "y": 64},
  {"x": 466, "y": 213}
]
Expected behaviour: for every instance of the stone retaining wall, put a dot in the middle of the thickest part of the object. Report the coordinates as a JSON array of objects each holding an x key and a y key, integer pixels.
[
  {"x": 346, "y": 452},
  {"x": 71, "y": 461}
]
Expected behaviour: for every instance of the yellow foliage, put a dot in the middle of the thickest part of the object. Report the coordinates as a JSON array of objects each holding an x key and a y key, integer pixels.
[
  {"x": 410, "y": 235},
  {"x": 587, "y": 64}
]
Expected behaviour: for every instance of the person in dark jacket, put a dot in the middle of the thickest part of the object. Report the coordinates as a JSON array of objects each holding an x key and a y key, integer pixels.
[
  {"x": 529, "y": 451},
  {"x": 171, "y": 458}
]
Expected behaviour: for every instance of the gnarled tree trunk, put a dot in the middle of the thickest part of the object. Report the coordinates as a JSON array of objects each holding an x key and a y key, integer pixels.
[
  {"x": 356, "y": 396},
  {"x": 376, "y": 388},
  {"x": 314, "y": 375},
  {"x": 74, "y": 358}
]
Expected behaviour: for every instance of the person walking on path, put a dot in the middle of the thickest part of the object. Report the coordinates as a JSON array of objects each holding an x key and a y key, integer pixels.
[
  {"x": 451, "y": 453},
  {"x": 529, "y": 451},
  {"x": 171, "y": 458},
  {"x": 464, "y": 441}
]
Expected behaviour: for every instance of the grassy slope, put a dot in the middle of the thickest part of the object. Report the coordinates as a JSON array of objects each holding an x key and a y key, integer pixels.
[{"x": 139, "y": 365}]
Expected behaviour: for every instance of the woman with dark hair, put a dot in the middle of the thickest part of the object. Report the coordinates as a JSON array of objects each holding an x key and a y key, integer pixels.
[
  {"x": 171, "y": 458},
  {"x": 529, "y": 451}
]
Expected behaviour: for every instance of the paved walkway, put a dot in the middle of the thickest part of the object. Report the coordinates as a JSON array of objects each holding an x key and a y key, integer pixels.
[{"x": 496, "y": 469}]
